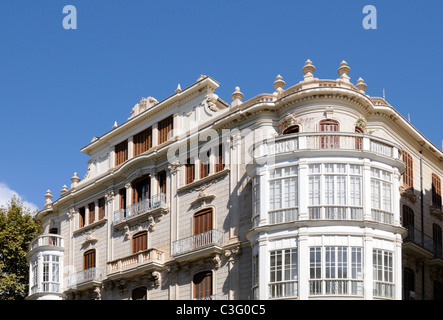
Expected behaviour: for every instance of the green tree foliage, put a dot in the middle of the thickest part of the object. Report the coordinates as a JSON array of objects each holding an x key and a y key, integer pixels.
[{"x": 18, "y": 227}]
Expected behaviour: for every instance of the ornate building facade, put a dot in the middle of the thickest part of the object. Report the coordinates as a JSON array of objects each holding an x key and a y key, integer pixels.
[{"x": 316, "y": 191}]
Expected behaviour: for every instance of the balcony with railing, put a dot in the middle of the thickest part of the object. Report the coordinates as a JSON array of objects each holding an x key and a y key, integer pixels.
[
  {"x": 307, "y": 141},
  {"x": 84, "y": 279},
  {"x": 155, "y": 205},
  {"x": 47, "y": 241},
  {"x": 140, "y": 262},
  {"x": 198, "y": 245}
]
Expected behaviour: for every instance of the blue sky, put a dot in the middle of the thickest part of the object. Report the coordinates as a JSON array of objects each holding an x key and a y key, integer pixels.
[{"x": 59, "y": 88}]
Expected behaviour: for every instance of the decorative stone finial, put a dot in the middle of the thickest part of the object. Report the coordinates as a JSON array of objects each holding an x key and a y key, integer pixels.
[
  {"x": 308, "y": 70},
  {"x": 361, "y": 85},
  {"x": 279, "y": 83},
  {"x": 64, "y": 189},
  {"x": 115, "y": 125},
  {"x": 179, "y": 89},
  {"x": 237, "y": 95},
  {"x": 344, "y": 70},
  {"x": 75, "y": 179},
  {"x": 48, "y": 202}
]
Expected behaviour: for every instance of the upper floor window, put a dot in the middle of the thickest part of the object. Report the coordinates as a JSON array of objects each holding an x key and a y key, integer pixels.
[
  {"x": 292, "y": 129},
  {"x": 408, "y": 217},
  {"x": 141, "y": 190},
  {"x": 204, "y": 165},
  {"x": 161, "y": 177},
  {"x": 121, "y": 152},
  {"x": 91, "y": 208},
  {"x": 219, "y": 164},
  {"x": 203, "y": 221},
  {"x": 408, "y": 175},
  {"x": 437, "y": 240},
  {"x": 165, "y": 126},
  {"x": 140, "y": 241},
  {"x": 89, "y": 259},
  {"x": 335, "y": 191},
  {"x": 142, "y": 141},
  {"x": 283, "y": 195},
  {"x": 51, "y": 273},
  {"x": 283, "y": 273},
  {"x": 381, "y": 196},
  {"x": 383, "y": 271},
  {"x": 81, "y": 217},
  {"x": 190, "y": 171},
  {"x": 327, "y": 141},
  {"x": 436, "y": 191},
  {"x": 101, "y": 208}
]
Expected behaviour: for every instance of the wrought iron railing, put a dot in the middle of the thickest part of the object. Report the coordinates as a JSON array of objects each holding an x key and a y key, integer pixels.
[
  {"x": 91, "y": 274},
  {"x": 139, "y": 208},
  {"x": 201, "y": 240}
]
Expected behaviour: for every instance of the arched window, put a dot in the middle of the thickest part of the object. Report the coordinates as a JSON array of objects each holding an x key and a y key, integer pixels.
[
  {"x": 89, "y": 259},
  {"x": 358, "y": 140},
  {"x": 202, "y": 283},
  {"x": 140, "y": 241},
  {"x": 292, "y": 129},
  {"x": 139, "y": 294},
  {"x": 329, "y": 141}
]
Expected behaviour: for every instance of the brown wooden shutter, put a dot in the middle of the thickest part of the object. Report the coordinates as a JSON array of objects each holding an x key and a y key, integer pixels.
[
  {"x": 408, "y": 217},
  {"x": 436, "y": 191},
  {"x": 161, "y": 176},
  {"x": 202, "y": 284},
  {"x": 91, "y": 208},
  {"x": 143, "y": 141},
  {"x": 101, "y": 208},
  {"x": 121, "y": 152},
  {"x": 122, "y": 202},
  {"x": 408, "y": 175},
  {"x": 203, "y": 221},
  {"x": 165, "y": 126},
  {"x": 190, "y": 171},
  {"x": 89, "y": 259},
  {"x": 219, "y": 165},
  {"x": 140, "y": 242}
]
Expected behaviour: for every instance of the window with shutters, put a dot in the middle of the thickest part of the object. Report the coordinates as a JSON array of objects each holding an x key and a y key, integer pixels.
[
  {"x": 408, "y": 175},
  {"x": 161, "y": 177},
  {"x": 219, "y": 164},
  {"x": 164, "y": 129},
  {"x": 141, "y": 190},
  {"x": 203, "y": 221},
  {"x": 101, "y": 208},
  {"x": 140, "y": 241},
  {"x": 121, "y": 152},
  {"x": 436, "y": 191},
  {"x": 142, "y": 141},
  {"x": 91, "y": 208},
  {"x": 122, "y": 198},
  {"x": 89, "y": 259},
  {"x": 202, "y": 284},
  {"x": 189, "y": 171},
  {"x": 358, "y": 140},
  {"x": 329, "y": 142},
  {"x": 81, "y": 217},
  {"x": 204, "y": 165}
]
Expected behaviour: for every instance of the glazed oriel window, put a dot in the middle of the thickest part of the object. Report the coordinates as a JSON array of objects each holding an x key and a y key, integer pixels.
[
  {"x": 164, "y": 128},
  {"x": 436, "y": 191},
  {"x": 121, "y": 152},
  {"x": 142, "y": 141},
  {"x": 408, "y": 175}
]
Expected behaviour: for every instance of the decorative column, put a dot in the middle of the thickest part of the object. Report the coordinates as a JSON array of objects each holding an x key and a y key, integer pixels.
[
  {"x": 368, "y": 280},
  {"x": 234, "y": 222},
  {"x": 109, "y": 208},
  {"x": 128, "y": 187},
  {"x": 303, "y": 268},
  {"x": 263, "y": 268},
  {"x": 303, "y": 192},
  {"x": 155, "y": 134},
  {"x": 130, "y": 147},
  {"x": 174, "y": 183}
]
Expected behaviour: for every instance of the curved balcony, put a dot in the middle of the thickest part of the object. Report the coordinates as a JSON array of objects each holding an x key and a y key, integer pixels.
[
  {"x": 46, "y": 242},
  {"x": 327, "y": 142}
]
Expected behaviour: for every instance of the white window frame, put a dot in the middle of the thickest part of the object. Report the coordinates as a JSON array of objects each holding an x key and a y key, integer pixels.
[{"x": 283, "y": 194}]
